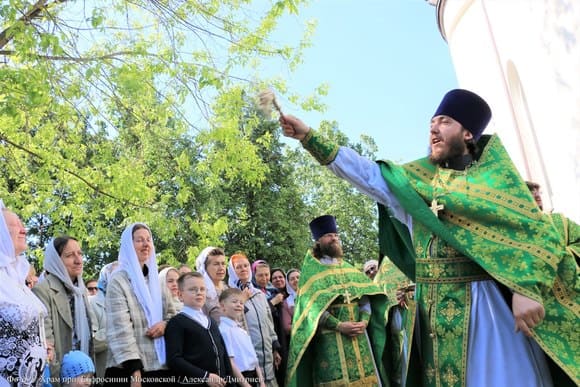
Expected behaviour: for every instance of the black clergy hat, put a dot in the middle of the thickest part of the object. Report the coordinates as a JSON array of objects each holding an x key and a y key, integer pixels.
[
  {"x": 467, "y": 108},
  {"x": 323, "y": 225}
]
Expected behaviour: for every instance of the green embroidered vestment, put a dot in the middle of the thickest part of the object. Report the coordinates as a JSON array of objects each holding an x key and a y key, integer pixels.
[
  {"x": 489, "y": 227},
  {"x": 318, "y": 353}
]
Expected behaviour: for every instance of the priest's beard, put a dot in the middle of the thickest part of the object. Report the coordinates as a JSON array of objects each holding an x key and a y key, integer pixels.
[
  {"x": 455, "y": 148},
  {"x": 332, "y": 249}
]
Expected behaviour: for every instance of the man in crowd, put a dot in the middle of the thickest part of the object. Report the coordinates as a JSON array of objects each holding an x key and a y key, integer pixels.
[{"x": 336, "y": 308}]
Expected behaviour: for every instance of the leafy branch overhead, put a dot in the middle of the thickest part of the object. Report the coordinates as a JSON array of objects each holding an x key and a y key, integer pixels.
[{"x": 137, "y": 110}]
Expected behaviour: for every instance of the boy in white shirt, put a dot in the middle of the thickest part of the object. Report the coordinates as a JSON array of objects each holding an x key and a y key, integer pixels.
[{"x": 245, "y": 366}]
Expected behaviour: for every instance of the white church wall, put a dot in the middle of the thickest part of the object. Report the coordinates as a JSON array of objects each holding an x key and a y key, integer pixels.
[{"x": 523, "y": 57}]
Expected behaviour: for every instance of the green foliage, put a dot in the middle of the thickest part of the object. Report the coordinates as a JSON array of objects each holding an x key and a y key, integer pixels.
[
  {"x": 114, "y": 112},
  {"x": 325, "y": 194}
]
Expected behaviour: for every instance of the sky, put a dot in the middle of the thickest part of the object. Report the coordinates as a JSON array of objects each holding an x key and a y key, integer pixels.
[{"x": 387, "y": 66}]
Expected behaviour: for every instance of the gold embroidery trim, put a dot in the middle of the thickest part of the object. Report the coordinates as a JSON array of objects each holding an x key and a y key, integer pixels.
[
  {"x": 449, "y": 270},
  {"x": 485, "y": 233}
]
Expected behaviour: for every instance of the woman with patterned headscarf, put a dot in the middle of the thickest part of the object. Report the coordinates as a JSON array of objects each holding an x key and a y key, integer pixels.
[
  {"x": 23, "y": 351},
  {"x": 63, "y": 292},
  {"x": 211, "y": 263},
  {"x": 136, "y": 314}
]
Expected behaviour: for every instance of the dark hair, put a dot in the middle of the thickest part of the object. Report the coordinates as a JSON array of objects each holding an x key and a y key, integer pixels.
[
  {"x": 185, "y": 276},
  {"x": 218, "y": 251},
  {"x": 316, "y": 251},
  {"x": 60, "y": 242},
  {"x": 472, "y": 147},
  {"x": 532, "y": 186},
  {"x": 227, "y": 293},
  {"x": 91, "y": 280},
  {"x": 290, "y": 272},
  {"x": 139, "y": 226},
  {"x": 277, "y": 269}
]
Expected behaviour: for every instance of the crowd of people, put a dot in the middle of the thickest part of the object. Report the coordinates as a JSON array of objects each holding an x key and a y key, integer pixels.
[
  {"x": 139, "y": 324},
  {"x": 484, "y": 279}
]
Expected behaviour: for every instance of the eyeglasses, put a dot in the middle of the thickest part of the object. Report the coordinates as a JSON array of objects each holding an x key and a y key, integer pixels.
[
  {"x": 92, "y": 288},
  {"x": 197, "y": 290}
]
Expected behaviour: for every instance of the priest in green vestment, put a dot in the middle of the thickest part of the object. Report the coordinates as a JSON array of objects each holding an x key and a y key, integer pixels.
[
  {"x": 497, "y": 288},
  {"x": 338, "y": 310}
]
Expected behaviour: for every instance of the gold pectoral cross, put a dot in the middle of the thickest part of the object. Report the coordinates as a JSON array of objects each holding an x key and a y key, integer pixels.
[{"x": 436, "y": 207}]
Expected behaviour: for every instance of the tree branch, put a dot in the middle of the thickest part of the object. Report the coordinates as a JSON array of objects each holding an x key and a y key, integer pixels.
[
  {"x": 34, "y": 12},
  {"x": 88, "y": 183},
  {"x": 112, "y": 55}
]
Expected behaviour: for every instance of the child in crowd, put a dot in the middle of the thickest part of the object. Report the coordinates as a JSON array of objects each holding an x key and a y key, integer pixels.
[
  {"x": 77, "y": 370},
  {"x": 195, "y": 349},
  {"x": 239, "y": 345}
]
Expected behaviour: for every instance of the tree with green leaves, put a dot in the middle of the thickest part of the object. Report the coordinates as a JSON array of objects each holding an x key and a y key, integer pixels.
[
  {"x": 355, "y": 213},
  {"x": 110, "y": 110}
]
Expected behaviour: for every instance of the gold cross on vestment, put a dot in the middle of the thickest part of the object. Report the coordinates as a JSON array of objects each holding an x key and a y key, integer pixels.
[
  {"x": 436, "y": 207},
  {"x": 347, "y": 296}
]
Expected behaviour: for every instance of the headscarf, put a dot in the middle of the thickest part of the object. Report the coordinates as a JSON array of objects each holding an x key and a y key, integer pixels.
[
  {"x": 54, "y": 265},
  {"x": 105, "y": 275},
  {"x": 16, "y": 267},
  {"x": 269, "y": 290},
  {"x": 233, "y": 280},
  {"x": 291, "y": 292},
  {"x": 256, "y": 263},
  {"x": 369, "y": 263},
  {"x": 13, "y": 272},
  {"x": 165, "y": 292},
  {"x": 148, "y": 293},
  {"x": 200, "y": 261}
]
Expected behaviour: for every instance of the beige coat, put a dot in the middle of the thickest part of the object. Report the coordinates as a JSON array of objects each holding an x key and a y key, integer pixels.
[
  {"x": 100, "y": 328},
  {"x": 127, "y": 324},
  {"x": 59, "y": 320}
]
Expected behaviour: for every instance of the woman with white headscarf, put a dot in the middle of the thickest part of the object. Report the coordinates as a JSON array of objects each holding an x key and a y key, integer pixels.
[
  {"x": 292, "y": 279},
  {"x": 23, "y": 352},
  {"x": 63, "y": 292},
  {"x": 100, "y": 323},
  {"x": 211, "y": 263},
  {"x": 136, "y": 314},
  {"x": 169, "y": 290}
]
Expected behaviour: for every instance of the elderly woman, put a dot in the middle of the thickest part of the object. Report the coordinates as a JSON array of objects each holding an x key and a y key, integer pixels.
[
  {"x": 168, "y": 283},
  {"x": 258, "y": 317},
  {"x": 211, "y": 263},
  {"x": 136, "y": 314},
  {"x": 100, "y": 323},
  {"x": 23, "y": 351},
  {"x": 63, "y": 292}
]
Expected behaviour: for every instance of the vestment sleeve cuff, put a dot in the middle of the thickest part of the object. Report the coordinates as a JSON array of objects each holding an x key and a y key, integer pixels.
[
  {"x": 322, "y": 150},
  {"x": 365, "y": 317},
  {"x": 331, "y": 323}
]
